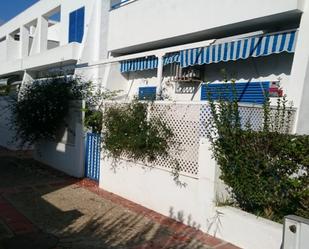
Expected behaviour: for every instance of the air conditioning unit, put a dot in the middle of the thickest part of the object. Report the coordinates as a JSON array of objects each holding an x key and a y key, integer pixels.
[{"x": 295, "y": 232}]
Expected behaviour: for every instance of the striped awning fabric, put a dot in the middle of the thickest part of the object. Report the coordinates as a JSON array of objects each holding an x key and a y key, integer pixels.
[
  {"x": 240, "y": 49},
  {"x": 147, "y": 63}
]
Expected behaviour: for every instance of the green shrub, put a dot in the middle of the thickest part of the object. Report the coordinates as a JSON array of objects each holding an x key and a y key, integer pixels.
[
  {"x": 41, "y": 108},
  {"x": 267, "y": 170},
  {"x": 129, "y": 132}
]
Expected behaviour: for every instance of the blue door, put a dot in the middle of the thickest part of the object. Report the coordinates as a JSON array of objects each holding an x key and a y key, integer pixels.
[{"x": 93, "y": 156}]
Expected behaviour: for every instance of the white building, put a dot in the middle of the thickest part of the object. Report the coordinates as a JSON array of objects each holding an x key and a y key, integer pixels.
[
  {"x": 126, "y": 44},
  {"x": 167, "y": 49},
  {"x": 254, "y": 41}
]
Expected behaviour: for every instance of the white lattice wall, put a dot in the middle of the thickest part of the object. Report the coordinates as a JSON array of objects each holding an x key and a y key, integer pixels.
[
  {"x": 184, "y": 120},
  {"x": 189, "y": 123},
  {"x": 254, "y": 115}
]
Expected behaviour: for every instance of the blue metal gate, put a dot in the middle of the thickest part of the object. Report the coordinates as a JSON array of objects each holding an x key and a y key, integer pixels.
[{"x": 92, "y": 161}]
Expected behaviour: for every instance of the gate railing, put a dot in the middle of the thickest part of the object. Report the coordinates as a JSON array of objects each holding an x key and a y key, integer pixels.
[{"x": 93, "y": 150}]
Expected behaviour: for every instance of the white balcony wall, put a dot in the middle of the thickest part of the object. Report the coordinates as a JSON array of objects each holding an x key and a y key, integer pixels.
[
  {"x": 54, "y": 32},
  {"x": 3, "y": 51},
  {"x": 13, "y": 51},
  {"x": 149, "y": 21}
]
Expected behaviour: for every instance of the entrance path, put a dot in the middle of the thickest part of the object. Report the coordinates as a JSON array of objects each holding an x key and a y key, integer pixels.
[{"x": 44, "y": 209}]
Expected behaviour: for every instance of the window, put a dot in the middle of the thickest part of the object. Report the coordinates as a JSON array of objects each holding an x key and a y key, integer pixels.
[
  {"x": 76, "y": 25},
  {"x": 147, "y": 93}
]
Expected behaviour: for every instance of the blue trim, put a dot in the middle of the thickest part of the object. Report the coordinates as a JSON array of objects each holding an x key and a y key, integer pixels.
[
  {"x": 147, "y": 93},
  {"x": 241, "y": 49},
  {"x": 148, "y": 63},
  {"x": 251, "y": 92},
  {"x": 118, "y": 5},
  {"x": 92, "y": 160}
]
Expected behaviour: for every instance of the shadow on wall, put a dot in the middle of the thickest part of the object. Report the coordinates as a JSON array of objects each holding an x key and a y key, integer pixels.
[
  {"x": 66, "y": 154},
  {"x": 271, "y": 67},
  {"x": 181, "y": 217}
]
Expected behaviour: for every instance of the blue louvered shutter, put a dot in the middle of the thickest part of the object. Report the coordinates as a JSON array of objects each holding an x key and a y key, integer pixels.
[
  {"x": 76, "y": 25},
  {"x": 72, "y": 27},
  {"x": 80, "y": 20},
  {"x": 147, "y": 93},
  {"x": 253, "y": 92}
]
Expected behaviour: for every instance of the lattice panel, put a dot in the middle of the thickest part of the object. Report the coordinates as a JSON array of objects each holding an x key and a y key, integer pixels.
[
  {"x": 255, "y": 117},
  {"x": 191, "y": 121},
  {"x": 252, "y": 116},
  {"x": 184, "y": 120}
]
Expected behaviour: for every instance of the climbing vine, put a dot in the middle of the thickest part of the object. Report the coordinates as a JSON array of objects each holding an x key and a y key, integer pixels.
[
  {"x": 130, "y": 132},
  {"x": 40, "y": 109}
]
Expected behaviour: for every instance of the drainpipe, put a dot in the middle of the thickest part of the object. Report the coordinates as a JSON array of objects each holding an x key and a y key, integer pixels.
[{"x": 160, "y": 73}]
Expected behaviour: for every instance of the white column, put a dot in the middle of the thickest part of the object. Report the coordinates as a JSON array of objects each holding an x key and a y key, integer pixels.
[
  {"x": 206, "y": 189},
  {"x": 43, "y": 29},
  {"x": 297, "y": 89},
  {"x": 160, "y": 73},
  {"x": 24, "y": 41}
]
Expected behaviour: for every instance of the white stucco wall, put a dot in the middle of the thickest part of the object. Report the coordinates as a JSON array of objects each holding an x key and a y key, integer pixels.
[
  {"x": 3, "y": 51},
  {"x": 66, "y": 155},
  {"x": 154, "y": 189},
  {"x": 193, "y": 204},
  {"x": 298, "y": 86},
  {"x": 147, "y": 21}
]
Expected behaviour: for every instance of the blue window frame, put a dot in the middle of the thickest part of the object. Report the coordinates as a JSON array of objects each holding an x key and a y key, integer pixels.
[
  {"x": 76, "y": 25},
  {"x": 147, "y": 93},
  {"x": 252, "y": 92}
]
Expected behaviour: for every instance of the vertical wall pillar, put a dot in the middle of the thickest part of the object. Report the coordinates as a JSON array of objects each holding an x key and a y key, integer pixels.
[
  {"x": 24, "y": 41},
  {"x": 206, "y": 186},
  {"x": 160, "y": 73},
  {"x": 9, "y": 46},
  {"x": 43, "y": 29},
  {"x": 297, "y": 89}
]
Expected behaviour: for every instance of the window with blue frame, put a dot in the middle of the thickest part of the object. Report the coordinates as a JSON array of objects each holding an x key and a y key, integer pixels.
[
  {"x": 251, "y": 92},
  {"x": 76, "y": 25},
  {"x": 147, "y": 93}
]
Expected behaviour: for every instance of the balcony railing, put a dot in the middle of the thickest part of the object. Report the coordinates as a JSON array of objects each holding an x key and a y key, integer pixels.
[{"x": 115, "y": 4}]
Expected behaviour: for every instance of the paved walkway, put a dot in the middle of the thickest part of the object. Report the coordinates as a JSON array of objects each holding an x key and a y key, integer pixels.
[{"x": 43, "y": 209}]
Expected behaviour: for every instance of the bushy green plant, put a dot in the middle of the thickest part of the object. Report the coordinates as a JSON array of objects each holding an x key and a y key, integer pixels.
[
  {"x": 267, "y": 170},
  {"x": 4, "y": 90},
  {"x": 128, "y": 131},
  {"x": 41, "y": 107},
  {"x": 95, "y": 99}
]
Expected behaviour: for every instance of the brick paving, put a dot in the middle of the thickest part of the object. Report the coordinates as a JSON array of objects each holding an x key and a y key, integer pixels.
[{"x": 112, "y": 214}]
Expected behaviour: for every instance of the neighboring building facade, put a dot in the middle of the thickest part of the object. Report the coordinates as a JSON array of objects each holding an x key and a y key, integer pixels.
[
  {"x": 165, "y": 48},
  {"x": 53, "y": 37}
]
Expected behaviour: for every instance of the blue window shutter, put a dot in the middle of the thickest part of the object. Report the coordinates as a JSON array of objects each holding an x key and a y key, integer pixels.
[
  {"x": 253, "y": 92},
  {"x": 147, "y": 93},
  {"x": 76, "y": 25},
  {"x": 80, "y": 24},
  {"x": 72, "y": 27}
]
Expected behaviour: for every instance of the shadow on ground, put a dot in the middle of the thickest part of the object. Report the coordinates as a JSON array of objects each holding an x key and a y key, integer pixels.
[{"x": 78, "y": 218}]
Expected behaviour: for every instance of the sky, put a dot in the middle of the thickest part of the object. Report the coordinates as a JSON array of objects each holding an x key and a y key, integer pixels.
[{"x": 11, "y": 8}]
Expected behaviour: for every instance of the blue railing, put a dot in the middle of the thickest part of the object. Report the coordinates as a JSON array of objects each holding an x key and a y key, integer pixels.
[
  {"x": 118, "y": 5},
  {"x": 92, "y": 160}
]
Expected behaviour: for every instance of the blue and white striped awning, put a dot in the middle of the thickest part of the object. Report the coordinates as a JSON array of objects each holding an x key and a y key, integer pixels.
[
  {"x": 240, "y": 49},
  {"x": 147, "y": 63}
]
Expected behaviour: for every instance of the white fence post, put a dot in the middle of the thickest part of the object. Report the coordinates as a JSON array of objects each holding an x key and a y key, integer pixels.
[{"x": 206, "y": 189}]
